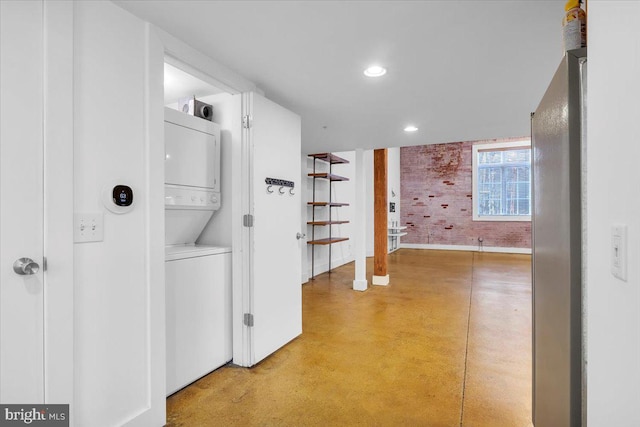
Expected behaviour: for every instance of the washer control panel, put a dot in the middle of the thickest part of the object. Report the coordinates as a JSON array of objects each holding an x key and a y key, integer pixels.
[{"x": 177, "y": 197}]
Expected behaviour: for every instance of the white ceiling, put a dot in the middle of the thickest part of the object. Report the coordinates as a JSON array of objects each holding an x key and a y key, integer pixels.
[{"x": 459, "y": 70}]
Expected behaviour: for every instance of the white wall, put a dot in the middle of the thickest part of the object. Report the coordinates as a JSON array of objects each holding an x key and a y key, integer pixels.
[
  {"x": 613, "y": 150},
  {"x": 342, "y": 191},
  {"x": 119, "y": 282}
]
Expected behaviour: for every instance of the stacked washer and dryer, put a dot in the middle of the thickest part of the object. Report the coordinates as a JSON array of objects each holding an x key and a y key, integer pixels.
[{"x": 198, "y": 277}]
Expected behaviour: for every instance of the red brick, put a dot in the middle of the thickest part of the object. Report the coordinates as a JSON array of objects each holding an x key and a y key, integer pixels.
[{"x": 443, "y": 173}]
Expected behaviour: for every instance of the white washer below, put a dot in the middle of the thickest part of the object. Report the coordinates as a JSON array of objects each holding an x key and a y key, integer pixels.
[{"x": 198, "y": 316}]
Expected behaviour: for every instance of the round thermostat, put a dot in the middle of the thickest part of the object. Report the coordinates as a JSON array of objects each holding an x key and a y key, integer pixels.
[{"x": 118, "y": 198}]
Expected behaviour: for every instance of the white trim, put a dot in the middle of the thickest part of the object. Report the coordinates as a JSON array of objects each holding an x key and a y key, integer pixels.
[
  {"x": 360, "y": 285},
  {"x": 502, "y": 218},
  {"x": 242, "y": 259},
  {"x": 495, "y": 146},
  {"x": 154, "y": 219},
  {"x": 380, "y": 280},
  {"x": 202, "y": 66},
  {"x": 524, "y": 143},
  {"x": 239, "y": 186},
  {"x": 207, "y": 69},
  {"x": 495, "y": 249}
]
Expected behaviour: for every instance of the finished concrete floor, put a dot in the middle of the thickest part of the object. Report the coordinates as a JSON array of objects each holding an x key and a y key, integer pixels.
[{"x": 447, "y": 343}]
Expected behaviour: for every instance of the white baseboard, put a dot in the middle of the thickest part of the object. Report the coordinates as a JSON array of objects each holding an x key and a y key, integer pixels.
[
  {"x": 324, "y": 267},
  {"x": 380, "y": 280},
  {"x": 495, "y": 249},
  {"x": 360, "y": 285}
]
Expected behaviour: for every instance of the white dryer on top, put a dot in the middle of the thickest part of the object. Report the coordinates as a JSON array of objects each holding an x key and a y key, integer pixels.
[{"x": 192, "y": 175}]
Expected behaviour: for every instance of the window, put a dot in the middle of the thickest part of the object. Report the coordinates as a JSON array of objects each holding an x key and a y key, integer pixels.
[{"x": 502, "y": 181}]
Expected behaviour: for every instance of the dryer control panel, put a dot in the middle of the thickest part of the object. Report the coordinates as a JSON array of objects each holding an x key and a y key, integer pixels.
[{"x": 179, "y": 197}]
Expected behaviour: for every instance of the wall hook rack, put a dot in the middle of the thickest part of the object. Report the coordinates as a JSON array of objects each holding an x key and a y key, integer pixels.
[{"x": 282, "y": 183}]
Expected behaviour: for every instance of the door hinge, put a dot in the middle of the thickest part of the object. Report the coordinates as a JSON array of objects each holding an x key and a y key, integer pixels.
[
  {"x": 246, "y": 122},
  {"x": 247, "y": 220},
  {"x": 248, "y": 319}
]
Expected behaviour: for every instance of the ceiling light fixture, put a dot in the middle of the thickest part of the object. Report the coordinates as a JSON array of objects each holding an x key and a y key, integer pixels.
[
  {"x": 410, "y": 128},
  {"x": 375, "y": 71}
]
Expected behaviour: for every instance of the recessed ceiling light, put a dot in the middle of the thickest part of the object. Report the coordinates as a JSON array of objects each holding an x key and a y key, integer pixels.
[
  {"x": 375, "y": 71},
  {"x": 410, "y": 129}
]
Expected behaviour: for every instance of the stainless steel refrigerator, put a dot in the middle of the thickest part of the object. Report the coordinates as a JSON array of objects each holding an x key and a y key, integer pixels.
[{"x": 558, "y": 140}]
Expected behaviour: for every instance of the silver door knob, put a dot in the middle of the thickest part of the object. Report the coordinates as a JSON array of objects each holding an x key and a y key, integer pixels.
[
  {"x": 25, "y": 266},
  {"x": 300, "y": 236}
]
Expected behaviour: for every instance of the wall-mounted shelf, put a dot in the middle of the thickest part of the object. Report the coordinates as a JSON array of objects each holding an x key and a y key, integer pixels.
[
  {"x": 397, "y": 231},
  {"x": 329, "y": 158},
  {"x": 332, "y": 159},
  {"x": 329, "y": 176},
  {"x": 327, "y": 241},
  {"x": 330, "y": 204},
  {"x": 327, "y": 222},
  {"x": 394, "y": 232}
]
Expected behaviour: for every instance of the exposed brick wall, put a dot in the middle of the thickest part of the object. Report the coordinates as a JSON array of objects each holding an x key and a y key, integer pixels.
[{"x": 436, "y": 198}]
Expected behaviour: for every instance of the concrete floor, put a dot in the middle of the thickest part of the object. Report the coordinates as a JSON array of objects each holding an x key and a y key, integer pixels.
[{"x": 447, "y": 343}]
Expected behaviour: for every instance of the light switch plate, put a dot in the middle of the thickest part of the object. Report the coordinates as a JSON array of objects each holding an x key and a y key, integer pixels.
[
  {"x": 619, "y": 251},
  {"x": 88, "y": 227}
]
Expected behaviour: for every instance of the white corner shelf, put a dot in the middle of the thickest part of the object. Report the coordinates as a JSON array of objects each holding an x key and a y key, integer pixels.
[
  {"x": 394, "y": 232},
  {"x": 397, "y": 234}
]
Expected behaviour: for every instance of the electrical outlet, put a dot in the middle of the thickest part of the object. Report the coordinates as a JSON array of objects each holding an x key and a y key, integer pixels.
[
  {"x": 619, "y": 251},
  {"x": 88, "y": 227}
]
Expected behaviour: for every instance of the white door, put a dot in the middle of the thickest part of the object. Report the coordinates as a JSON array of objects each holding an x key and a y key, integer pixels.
[
  {"x": 21, "y": 203},
  {"x": 273, "y": 305}
]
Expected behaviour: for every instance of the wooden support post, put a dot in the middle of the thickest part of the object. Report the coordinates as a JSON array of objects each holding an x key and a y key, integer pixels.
[{"x": 380, "y": 223}]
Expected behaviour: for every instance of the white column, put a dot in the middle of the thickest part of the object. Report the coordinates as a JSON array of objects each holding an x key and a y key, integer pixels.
[{"x": 359, "y": 222}]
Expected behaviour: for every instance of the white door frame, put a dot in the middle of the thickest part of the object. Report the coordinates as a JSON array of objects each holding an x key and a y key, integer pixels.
[
  {"x": 243, "y": 237},
  {"x": 56, "y": 104},
  {"x": 210, "y": 71}
]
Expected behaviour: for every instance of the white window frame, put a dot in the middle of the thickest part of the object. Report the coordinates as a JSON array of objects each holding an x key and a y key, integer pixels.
[{"x": 525, "y": 143}]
